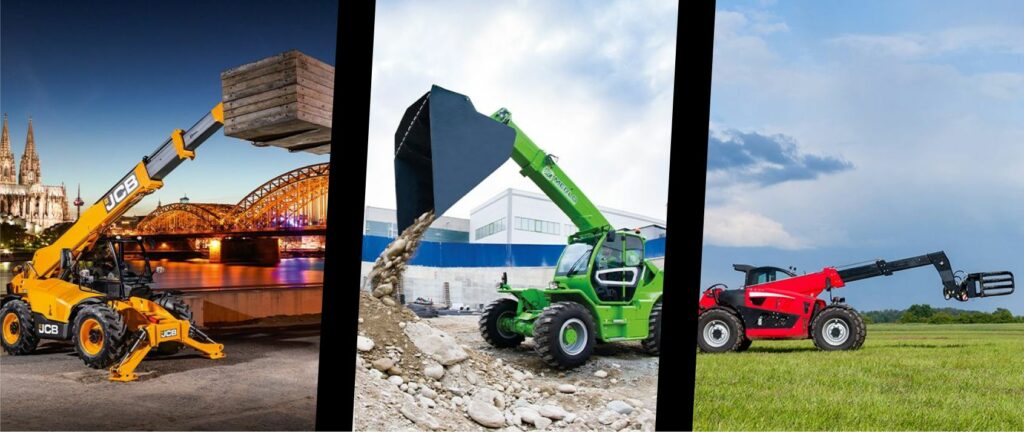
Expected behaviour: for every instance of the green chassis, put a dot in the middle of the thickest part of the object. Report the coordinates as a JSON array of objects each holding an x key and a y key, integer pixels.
[{"x": 615, "y": 321}]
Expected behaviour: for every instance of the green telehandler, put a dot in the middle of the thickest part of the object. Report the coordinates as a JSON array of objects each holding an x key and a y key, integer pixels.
[{"x": 603, "y": 290}]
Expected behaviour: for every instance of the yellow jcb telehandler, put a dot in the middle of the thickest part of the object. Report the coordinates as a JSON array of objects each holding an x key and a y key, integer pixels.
[{"x": 81, "y": 288}]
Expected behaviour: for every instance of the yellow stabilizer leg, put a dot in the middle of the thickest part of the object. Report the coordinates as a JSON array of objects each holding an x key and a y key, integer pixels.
[
  {"x": 125, "y": 370},
  {"x": 211, "y": 350}
]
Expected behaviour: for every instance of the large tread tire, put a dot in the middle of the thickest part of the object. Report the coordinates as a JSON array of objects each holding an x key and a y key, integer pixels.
[
  {"x": 744, "y": 345},
  {"x": 652, "y": 344},
  {"x": 548, "y": 336},
  {"x": 177, "y": 307},
  {"x": 837, "y": 328},
  {"x": 489, "y": 324},
  {"x": 19, "y": 332},
  {"x": 719, "y": 330},
  {"x": 105, "y": 335}
]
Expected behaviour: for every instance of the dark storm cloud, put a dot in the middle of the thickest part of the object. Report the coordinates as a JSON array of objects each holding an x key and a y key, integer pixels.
[{"x": 767, "y": 160}]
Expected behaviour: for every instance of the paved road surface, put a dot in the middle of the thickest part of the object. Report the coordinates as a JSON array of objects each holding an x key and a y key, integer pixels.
[{"x": 267, "y": 382}]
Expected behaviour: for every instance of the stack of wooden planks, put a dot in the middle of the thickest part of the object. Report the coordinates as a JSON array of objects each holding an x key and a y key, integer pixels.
[{"x": 285, "y": 101}]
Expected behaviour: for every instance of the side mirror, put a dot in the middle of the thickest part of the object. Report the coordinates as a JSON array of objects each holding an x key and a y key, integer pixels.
[
  {"x": 160, "y": 269},
  {"x": 611, "y": 236}
]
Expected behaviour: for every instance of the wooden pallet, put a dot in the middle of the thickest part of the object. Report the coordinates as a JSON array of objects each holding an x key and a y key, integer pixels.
[{"x": 284, "y": 101}]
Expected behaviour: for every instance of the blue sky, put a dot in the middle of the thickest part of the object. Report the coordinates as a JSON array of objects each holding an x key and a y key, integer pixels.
[
  {"x": 843, "y": 132},
  {"x": 106, "y": 83}
]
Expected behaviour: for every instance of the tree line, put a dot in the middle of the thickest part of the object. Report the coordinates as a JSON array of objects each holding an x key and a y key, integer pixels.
[{"x": 922, "y": 313}]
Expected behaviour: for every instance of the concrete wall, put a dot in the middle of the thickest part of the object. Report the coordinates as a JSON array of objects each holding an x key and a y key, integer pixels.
[
  {"x": 227, "y": 305},
  {"x": 469, "y": 286}
]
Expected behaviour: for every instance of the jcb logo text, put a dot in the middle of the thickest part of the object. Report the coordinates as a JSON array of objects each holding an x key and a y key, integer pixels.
[{"x": 121, "y": 191}]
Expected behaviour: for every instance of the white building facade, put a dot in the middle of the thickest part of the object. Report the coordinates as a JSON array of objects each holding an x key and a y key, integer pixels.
[
  {"x": 383, "y": 222},
  {"x": 520, "y": 217}
]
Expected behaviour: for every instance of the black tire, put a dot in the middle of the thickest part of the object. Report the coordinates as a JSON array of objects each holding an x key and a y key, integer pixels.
[
  {"x": 177, "y": 307},
  {"x": 744, "y": 345},
  {"x": 105, "y": 335},
  {"x": 561, "y": 349},
  {"x": 719, "y": 330},
  {"x": 652, "y": 344},
  {"x": 838, "y": 327},
  {"x": 489, "y": 324},
  {"x": 19, "y": 333}
]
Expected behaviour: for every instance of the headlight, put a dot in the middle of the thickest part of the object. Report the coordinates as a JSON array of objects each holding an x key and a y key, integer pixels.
[{"x": 553, "y": 285}]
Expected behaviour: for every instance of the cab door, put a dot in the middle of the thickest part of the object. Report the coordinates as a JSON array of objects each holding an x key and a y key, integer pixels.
[{"x": 618, "y": 267}]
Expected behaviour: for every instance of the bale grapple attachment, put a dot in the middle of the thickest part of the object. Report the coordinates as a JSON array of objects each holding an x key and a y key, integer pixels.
[
  {"x": 443, "y": 149},
  {"x": 989, "y": 284}
]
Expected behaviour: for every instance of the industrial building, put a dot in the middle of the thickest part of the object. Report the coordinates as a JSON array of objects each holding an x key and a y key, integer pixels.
[
  {"x": 520, "y": 217},
  {"x": 511, "y": 217},
  {"x": 383, "y": 222}
]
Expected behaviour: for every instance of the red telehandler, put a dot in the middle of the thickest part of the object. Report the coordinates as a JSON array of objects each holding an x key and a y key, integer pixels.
[{"x": 778, "y": 304}]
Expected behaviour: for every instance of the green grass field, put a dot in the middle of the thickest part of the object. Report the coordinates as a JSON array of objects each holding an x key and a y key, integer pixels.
[{"x": 905, "y": 377}]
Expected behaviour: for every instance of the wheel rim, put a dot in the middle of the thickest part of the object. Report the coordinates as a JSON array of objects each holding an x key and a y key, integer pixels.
[
  {"x": 836, "y": 331},
  {"x": 716, "y": 333},
  {"x": 504, "y": 318},
  {"x": 12, "y": 329},
  {"x": 573, "y": 336},
  {"x": 90, "y": 336}
]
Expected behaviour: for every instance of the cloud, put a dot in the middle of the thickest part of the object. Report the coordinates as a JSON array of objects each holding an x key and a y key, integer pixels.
[
  {"x": 988, "y": 39},
  {"x": 738, "y": 228},
  {"x": 766, "y": 160},
  {"x": 591, "y": 85},
  {"x": 1002, "y": 85}
]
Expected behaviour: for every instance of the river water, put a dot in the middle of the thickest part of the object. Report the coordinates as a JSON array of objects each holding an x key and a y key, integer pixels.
[{"x": 203, "y": 274}]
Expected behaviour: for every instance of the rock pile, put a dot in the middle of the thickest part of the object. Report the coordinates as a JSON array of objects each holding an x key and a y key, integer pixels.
[{"x": 411, "y": 374}]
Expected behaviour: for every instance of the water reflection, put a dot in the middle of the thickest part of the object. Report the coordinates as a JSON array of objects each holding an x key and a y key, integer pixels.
[{"x": 201, "y": 273}]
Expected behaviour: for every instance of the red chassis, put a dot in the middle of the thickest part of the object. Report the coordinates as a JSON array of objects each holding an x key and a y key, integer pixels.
[{"x": 778, "y": 304}]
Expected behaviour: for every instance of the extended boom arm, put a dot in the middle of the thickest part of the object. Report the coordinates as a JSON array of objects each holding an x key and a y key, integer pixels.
[
  {"x": 549, "y": 177},
  {"x": 142, "y": 180},
  {"x": 974, "y": 285}
]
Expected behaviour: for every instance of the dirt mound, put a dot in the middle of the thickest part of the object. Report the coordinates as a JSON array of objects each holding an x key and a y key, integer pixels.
[{"x": 411, "y": 375}]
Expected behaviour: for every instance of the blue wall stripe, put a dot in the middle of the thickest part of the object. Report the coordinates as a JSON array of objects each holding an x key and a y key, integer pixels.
[{"x": 434, "y": 254}]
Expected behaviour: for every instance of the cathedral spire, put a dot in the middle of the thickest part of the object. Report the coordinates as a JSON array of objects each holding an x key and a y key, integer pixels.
[
  {"x": 7, "y": 168},
  {"x": 29, "y": 174},
  {"x": 5, "y": 142}
]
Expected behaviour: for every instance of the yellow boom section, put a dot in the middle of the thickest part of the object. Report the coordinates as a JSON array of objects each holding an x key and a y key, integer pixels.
[{"x": 145, "y": 178}]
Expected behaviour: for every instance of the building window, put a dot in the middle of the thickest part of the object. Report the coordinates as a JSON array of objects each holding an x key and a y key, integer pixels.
[
  {"x": 537, "y": 225},
  {"x": 491, "y": 228}
]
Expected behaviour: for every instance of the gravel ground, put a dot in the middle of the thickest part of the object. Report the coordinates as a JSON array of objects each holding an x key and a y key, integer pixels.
[
  {"x": 486, "y": 388},
  {"x": 635, "y": 372},
  {"x": 266, "y": 382}
]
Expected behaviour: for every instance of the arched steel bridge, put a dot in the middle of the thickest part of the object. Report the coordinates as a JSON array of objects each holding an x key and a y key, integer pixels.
[{"x": 293, "y": 201}]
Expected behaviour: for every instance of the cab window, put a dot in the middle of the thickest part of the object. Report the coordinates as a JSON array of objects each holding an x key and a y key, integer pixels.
[{"x": 765, "y": 275}]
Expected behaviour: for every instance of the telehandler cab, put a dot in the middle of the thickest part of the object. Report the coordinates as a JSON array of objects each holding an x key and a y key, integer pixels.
[
  {"x": 81, "y": 288},
  {"x": 603, "y": 289}
]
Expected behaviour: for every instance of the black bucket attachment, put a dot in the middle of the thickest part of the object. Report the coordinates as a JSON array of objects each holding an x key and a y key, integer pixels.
[
  {"x": 443, "y": 149},
  {"x": 988, "y": 284}
]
